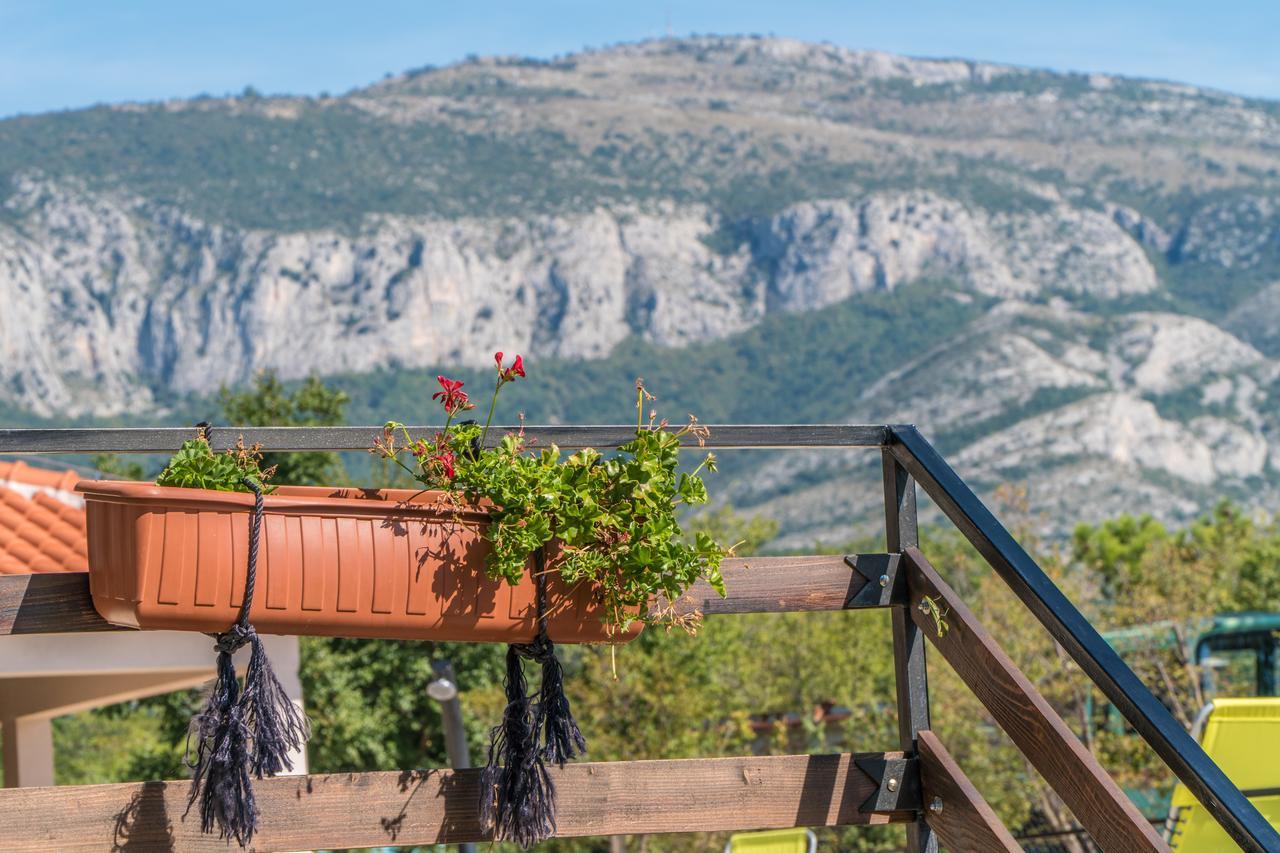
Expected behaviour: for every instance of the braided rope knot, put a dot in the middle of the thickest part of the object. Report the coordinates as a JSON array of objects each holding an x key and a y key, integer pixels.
[
  {"x": 235, "y": 638},
  {"x": 539, "y": 651}
]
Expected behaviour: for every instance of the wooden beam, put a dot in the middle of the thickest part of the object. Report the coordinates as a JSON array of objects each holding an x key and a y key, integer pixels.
[
  {"x": 953, "y": 807},
  {"x": 1047, "y": 742},
  {"x": 777, "y": 585},
  {"x": 169, "y": 439},
  {"x": 59, "y": 603},
  {"x": 344, "y": 810}
]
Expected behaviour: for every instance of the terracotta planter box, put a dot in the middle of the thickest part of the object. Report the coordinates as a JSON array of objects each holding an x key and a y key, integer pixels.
[{"x": 393, "y": 563}]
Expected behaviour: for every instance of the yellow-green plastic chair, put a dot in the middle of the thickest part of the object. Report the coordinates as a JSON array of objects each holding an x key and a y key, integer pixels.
[
  {"x": 1242, "y": 736},
  {"x": 773, "y": 841}
]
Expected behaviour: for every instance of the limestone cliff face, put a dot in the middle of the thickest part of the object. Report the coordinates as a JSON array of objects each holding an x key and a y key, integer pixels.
[{"x": 110, "y": 297}]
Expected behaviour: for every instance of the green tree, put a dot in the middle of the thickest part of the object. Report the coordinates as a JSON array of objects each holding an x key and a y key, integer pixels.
[
  {"x": 1113, "y": 550},
  {"x": 270, "y": 403},
  {"x": 116, "y": 466}
]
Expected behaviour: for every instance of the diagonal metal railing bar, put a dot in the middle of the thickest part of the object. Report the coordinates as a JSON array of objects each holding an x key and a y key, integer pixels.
[
  {"x": 1076, "y": 634},
  {"x": 168, "y": 439}
]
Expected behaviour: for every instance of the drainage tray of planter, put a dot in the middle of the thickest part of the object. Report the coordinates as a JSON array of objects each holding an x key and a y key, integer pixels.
[{"x": 395, "y": 563}]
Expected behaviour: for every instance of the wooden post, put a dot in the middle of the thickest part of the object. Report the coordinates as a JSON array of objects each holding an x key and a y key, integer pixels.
[
  {"x": 28, "y": 752},
  {"x": 901, "y": 532}
]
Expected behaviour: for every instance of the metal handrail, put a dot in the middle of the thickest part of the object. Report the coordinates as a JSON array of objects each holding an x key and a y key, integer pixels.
[
  {"x": 1232, "y": 809},
  {"x": 168, "y": 439}
]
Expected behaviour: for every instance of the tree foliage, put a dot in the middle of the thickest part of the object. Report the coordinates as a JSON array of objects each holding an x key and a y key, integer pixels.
[{"x": 269, "y": 402}]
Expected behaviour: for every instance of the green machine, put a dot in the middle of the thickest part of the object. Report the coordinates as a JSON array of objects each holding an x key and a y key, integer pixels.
[{"x": 1235, "y": 656}]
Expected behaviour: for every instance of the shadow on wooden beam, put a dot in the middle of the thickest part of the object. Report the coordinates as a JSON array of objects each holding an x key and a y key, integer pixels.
[
  {"x": 57, "y": 603},
  {"x": 53, "y": 603},
  {"x": 344, "y": 810}
]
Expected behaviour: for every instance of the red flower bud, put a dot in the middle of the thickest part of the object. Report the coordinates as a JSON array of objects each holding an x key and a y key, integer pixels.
[{"x": 510, "y": 373}]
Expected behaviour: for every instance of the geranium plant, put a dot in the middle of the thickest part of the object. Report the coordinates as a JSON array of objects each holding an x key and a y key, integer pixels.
[
  {"x": 196, "y": 466},
  {"x": 615, "y": 518}
]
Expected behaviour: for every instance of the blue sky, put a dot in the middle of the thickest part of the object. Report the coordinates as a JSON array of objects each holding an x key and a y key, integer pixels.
[{"x": 56, "y": 54}]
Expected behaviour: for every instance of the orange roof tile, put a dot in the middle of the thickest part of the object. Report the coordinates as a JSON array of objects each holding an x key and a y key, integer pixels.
[
  {"x": 21, "y": 472},
  {"x": 41, "y": 521}
]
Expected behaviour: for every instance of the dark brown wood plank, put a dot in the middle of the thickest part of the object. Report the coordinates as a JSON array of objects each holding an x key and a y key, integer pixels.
[
  {"x": 344, "y": 810},
  {"x": 952, "y": 805},
  {"x": 168, "y": 439},
  {"x": 776, "y": 585},
  {"x": 60, "y": 603},
  {"x": 48, "y": 604},
  {"x": 1042, "y": 736}
]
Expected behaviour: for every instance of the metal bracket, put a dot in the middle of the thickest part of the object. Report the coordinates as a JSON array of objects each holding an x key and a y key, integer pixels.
[
  {"x": 885, "y": 585},
  {"x": 898, "y": 781}
]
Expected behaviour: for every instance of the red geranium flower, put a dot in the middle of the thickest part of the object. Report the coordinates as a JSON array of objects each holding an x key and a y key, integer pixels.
[
  {"x": 453, "y": 398},
  {"x": 445, "y": 460},
  {"x": 507, "y": 374}
]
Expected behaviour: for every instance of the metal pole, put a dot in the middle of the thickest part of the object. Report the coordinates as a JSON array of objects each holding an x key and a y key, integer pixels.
[
  {"x": 444, "y": 689},
  {"x": 908, "y": 643}
]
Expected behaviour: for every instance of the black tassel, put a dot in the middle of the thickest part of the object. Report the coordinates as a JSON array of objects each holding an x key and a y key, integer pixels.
[
  {"x": 242, "y": 733},
  {"x": 221, "y": 776},
  {"x": 278, "y": 728},
  {"x": 517, "y": 797},
  {"x": 563, "y": 741}
]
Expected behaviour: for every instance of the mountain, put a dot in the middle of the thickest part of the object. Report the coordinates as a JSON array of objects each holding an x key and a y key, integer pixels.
[{"x": 1077, "y": 276}]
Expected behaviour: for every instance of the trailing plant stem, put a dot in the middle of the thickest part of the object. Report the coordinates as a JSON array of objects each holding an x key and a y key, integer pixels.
[{"x": 493, "y": 404}]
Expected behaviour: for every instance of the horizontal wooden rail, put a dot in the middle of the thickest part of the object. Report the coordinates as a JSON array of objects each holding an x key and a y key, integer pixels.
[
  {"x": 168, "y": 439},
  {"x": 60, "y": 603},
  {"x": 345, "y": 810},
  {"x": 54, "y": 603},
  {"x": 1037, "y": 730}
]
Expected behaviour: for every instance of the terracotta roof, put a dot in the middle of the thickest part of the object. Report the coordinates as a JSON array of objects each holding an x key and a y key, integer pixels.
[{"x": 41, "y": 521}]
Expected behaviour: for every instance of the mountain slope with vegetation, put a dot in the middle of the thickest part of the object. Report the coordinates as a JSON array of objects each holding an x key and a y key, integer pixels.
[{"x": 1065, "y": 279}]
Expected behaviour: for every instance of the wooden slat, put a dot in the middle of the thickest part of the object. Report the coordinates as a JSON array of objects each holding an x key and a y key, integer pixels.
[
  {"x": 346, "y": 810},
  {"x": 1047, "y": 742},
  {"x": 777, "y": 585},
  {"x": 60, "y": 603},
  {"x": 952, "y": 805},
  {"x": 168, "y": 439},
  {"x": 47, "y": 604}
]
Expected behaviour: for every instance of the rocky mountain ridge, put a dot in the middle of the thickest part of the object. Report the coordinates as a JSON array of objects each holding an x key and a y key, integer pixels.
[{"x": 1125, "y": 235}]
